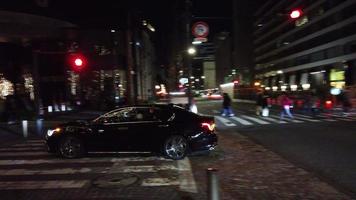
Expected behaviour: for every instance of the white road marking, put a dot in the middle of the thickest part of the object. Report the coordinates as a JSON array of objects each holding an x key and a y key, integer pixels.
[
  {"x": 82, "y": 160},
  {"x": 330, "y": 120},
  {"x": 22, "y": 149},
  {"x": 274, "y": 120},
  {"x": 28, "y": 145},
  {"x": 304, "y": 116},
  {"x": 186, "y": 178},
  {"x": 144, "y": 168},
  {"x": 307, "y": 119},
  {"x": 17, "y": 172},
  {"x": 31, "y": 185},
  {"x": 216, "y": 111},
  {"x": 35, "y": 141},
  {"x": 242, "y": 121},
  {"x": 255, "y": 119},
  {"x": 286, "y": 119},
  {"x": 342, "y": 118},
  {"x": 24, "y": 154},
  {"x": 159, "y": 182},
  {"x": 226, "y": 122}
]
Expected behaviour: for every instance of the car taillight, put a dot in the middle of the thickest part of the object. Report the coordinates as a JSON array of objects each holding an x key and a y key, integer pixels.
[
  {"x": 328, "y": 104},
  {"x": 209, "y": 126}
]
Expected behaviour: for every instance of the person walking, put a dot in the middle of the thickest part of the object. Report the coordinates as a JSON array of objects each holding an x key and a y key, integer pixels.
[
  {"x": 227, "y": 111},
  {"x": 286, "y": 104},
  {"x": 346, "y": 103},
  {"x": 259, "y": 103},
  {"x": 262, "y": 104}
]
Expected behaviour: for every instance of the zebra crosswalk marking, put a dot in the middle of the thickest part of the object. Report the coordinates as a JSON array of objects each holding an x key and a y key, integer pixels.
[
  {"x": 286, "y": 119},
  {"x": 7, "y": 149},
  {"x": 31, "y": 185},
  {"x": 216, "y": 112},
  {"x": 226, "y": 122},
  {"x": 342, "y": 118},
  {"x": 329, "y": 120},
  {"x": 255, "y": 119},
  {"x": 307, "y": 119},
  {"x": 35, "y": 153},
  {"x": 242, "y": 121},
  {"x": 27, "y": 167},
  {"x": 29, "y": 145},
  {"x": 19, "y": 172},
  {"x": 274, "y": 120}
]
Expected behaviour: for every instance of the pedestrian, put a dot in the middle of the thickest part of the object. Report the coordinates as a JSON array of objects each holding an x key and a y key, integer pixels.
[
  {"x": 314, "y": 104},
  {"x": 346, "y": 103},
  {"x": 265, "y": 105},
  {"x": 262, "y": 104},
  {"x": 227, "y": 111},
  {"x": 286, "y": 104},
  {"x": 259, "y": 103}
]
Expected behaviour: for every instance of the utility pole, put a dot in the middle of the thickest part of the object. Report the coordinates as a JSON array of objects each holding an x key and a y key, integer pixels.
[
  {"x": 188, "y": 59},
  {"x": 130, "y": 72}
]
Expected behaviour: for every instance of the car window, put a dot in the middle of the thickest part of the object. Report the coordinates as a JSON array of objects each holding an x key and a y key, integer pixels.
[
  {"x": 163, "y": 114},
  {"x": 145, "y": 114},
  {"x": 122, "y": 115}
]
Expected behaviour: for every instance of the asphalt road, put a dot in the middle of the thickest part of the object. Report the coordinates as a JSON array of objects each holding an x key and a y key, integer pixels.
[{"x": 326, "y": 147}]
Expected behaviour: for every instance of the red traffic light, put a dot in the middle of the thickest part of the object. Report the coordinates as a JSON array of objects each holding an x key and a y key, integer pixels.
[
  {"x": 236, "y": 82},
  {"x": 77, "y": 62},
  {"x": 295, "y": 14}
]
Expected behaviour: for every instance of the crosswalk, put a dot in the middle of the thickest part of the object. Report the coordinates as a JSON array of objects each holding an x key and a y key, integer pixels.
[
  {"x": 28, "y": 167},
  {"x": 243, "y": 119}
]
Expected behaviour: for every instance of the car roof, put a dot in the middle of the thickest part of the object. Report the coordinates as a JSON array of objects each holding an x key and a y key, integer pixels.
[{"x": 169, "y": 106}]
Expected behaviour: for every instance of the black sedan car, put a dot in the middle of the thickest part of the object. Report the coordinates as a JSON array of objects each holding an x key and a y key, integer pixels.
[{"x": 167, "y": 129}]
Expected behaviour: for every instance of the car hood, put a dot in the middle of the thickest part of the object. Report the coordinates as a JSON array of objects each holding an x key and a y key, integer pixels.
[{"x": 76, "y": 123}]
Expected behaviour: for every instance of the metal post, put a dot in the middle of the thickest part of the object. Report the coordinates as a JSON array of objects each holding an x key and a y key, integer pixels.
[
  {"x": 39, "y": 126},
  {"x": 213, "y": 184},
  {"x": 25, "y": 128},
  {"x": 130, "y": 85},
  {"x": 188, "y": 43}
]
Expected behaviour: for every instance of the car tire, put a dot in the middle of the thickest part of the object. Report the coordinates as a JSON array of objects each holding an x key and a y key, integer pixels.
[
  {"x": 175, "y": 147},
  {"x": 71, "y": 147}
]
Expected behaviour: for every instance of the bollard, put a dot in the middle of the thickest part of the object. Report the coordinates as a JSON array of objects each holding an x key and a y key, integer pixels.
[
  {"x": 25, "y": 128},
  {"x": 39, "y": 126},
  {"x": 213, "y": 184}
]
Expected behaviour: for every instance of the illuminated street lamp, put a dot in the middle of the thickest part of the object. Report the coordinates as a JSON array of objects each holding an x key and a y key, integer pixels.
[{"x": 191, "y": 51}]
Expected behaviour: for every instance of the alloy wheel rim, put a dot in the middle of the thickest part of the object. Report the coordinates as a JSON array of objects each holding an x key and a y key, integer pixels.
[
  {"x": 176, "y": 147},
  {"x": 71, "y": 148}
]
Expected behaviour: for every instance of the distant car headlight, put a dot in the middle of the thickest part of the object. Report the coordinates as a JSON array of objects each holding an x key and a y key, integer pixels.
[{"x": 50, "y": 132}]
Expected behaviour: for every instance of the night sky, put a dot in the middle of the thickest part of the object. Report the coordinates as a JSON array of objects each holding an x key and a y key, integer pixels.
[{"x": 109, "y": 14}]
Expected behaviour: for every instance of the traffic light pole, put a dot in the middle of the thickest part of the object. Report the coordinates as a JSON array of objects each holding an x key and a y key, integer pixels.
[
  {"x": 129, "y": 88},
  {"x": 188, "y": 44}
]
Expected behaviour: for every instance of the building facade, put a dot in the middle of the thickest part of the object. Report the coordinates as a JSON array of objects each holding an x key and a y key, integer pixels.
[{"x": 315, "y": 52}]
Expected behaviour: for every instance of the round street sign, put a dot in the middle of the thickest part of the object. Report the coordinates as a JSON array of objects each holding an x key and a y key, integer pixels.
[{"x": 200, "y": 29}]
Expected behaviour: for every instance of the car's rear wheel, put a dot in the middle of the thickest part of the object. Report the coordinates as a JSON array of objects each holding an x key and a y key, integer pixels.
[
  {"x": 175, "y": 147},
  {"x": 71, "y": 147}
]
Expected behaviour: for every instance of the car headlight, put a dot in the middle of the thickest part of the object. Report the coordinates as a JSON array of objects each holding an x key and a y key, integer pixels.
[{"x": 50, "y": 132}]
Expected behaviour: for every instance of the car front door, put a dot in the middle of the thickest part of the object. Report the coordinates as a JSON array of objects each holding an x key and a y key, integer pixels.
[{"x": 111, "y": 131}]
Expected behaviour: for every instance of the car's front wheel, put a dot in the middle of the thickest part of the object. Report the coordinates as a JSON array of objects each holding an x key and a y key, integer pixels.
[
  {"x": 71, "y": 147},
  {"x": 175, "y": 147}
]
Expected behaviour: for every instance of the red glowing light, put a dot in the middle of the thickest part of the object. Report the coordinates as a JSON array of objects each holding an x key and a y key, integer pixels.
[
  {"x": 295, "y": 14},
  {"x": 78, "y": 62}
]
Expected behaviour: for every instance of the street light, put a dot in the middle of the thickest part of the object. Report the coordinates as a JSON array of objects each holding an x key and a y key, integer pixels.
[{"x": 191, "y": 51}]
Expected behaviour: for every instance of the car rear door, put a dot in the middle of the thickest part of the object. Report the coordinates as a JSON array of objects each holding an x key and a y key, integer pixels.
[{"x": 147, "y": 130}]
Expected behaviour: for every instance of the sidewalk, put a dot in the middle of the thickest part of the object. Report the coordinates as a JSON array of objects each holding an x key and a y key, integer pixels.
[{"x": 249, "y": 171}]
